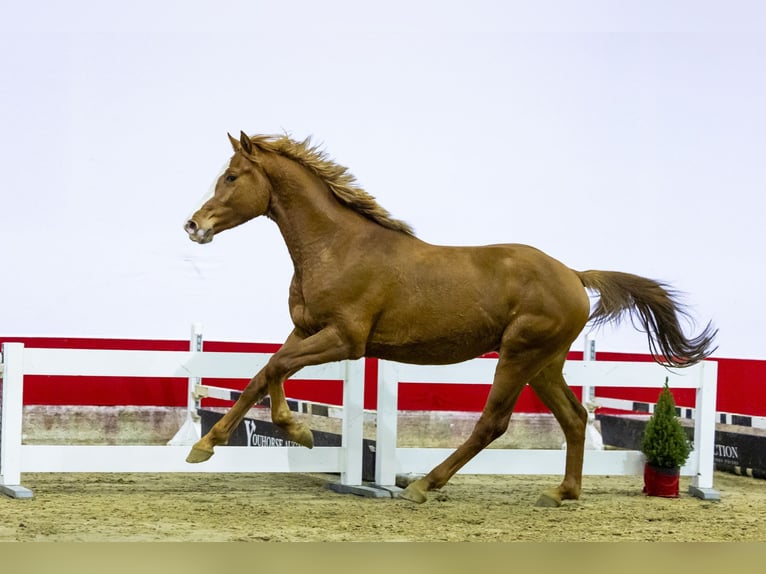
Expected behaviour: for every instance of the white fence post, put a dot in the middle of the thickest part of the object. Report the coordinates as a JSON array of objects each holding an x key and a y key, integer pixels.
[
  {"x": 704, "y": 429},
  {"x": 593, "y": 438},
  {"x": 385, "y": 438},
  {"x": 588, "y": 354},
  {"x": 190, "y": 430},
  {"x": 353, "y": 422},
  {"x": 11, "y": 418}
]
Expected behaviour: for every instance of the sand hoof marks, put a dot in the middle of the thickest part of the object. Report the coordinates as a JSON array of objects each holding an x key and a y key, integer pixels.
[{"x": 548, "y": 500}]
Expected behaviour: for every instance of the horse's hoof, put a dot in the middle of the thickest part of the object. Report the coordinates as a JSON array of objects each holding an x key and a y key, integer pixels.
[
  {"x": 548, "y": 500},
  {"x": 302, "y": 435},
  {"x": 414, "y": 493},
  {"x": 199, "y": 454}
]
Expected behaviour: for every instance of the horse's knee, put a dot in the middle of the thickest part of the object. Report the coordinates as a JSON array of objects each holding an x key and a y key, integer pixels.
[{"x": 256, "y": 390}]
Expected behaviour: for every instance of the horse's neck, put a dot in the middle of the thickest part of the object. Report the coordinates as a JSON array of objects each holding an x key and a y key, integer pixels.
[{"x": 310, "y": 218}]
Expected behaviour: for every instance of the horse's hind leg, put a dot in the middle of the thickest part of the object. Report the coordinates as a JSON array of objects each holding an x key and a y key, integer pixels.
[
  {"x": 508, "y": 382},
  {"x": 550, "y": 386}
]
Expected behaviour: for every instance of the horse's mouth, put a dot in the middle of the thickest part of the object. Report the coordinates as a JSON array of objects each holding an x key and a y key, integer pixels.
[
  {"x": 201, "y": 240},
  {"x": 198, "y": 234}
]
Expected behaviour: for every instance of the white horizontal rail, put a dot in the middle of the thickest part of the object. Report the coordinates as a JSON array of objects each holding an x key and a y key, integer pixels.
[
  {"x": 630, "y": 375},
  {"x": 134, "y": 458},
  {"x": 530, "y": 462},
  {"x": 110, "y": 363},
  {"x": 576, "y": 373}
]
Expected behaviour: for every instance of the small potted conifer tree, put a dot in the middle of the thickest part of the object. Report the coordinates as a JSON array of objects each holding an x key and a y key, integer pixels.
[{"x": 665, "y": 446}]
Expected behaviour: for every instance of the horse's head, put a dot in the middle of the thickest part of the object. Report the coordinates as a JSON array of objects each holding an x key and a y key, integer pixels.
[{"x": 241, "y": 193}]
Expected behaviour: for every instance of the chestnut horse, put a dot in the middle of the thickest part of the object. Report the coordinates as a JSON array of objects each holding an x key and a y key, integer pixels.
[{"x": 364, "y": 285}]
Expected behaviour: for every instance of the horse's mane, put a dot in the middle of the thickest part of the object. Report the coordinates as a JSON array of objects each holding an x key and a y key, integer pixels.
[{"x": 342, "y": 183}]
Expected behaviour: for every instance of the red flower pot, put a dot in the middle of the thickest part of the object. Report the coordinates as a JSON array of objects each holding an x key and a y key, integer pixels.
[{"x": 661, "y": 481}]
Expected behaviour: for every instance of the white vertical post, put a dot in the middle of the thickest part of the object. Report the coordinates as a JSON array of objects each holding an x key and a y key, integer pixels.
[
  {"x": 588, "y": 354},
  {"x": 593, "y": 438},
  {"x": 353, "y": 423},
  {"x": 195, "y": 346},
  {"x": 11, "y": 418},
  {"x": 704, "y": 428},
  {"x": 385, "y": 440},
  {"x": 190, "y": 431}
]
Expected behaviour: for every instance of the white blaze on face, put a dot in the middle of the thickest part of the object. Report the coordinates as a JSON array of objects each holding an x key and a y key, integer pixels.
[{"x": 210, "y": 191}]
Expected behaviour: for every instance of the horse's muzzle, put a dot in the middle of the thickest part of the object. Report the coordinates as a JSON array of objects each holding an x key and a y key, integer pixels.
[{"x": 198, "y": 234}]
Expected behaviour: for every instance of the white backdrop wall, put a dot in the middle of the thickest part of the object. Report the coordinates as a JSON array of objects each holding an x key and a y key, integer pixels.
[{"x": 613, "y": 135}]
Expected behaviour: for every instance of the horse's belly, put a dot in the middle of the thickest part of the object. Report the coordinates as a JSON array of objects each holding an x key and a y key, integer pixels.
[{"x": 433, "y": 351}]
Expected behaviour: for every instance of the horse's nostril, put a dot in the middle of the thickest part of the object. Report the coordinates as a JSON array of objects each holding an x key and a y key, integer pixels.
[{"x": 190, "y": 227}]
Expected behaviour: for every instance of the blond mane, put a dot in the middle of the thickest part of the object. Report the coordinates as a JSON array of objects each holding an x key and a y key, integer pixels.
[{"x": 342, "y": 183}]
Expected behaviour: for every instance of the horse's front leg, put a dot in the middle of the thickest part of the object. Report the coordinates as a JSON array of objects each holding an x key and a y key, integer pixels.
[
  {"x": 282, "y": 416},
  {"x": 221, "y": 431},
  {"x": 323, "y": 347}
]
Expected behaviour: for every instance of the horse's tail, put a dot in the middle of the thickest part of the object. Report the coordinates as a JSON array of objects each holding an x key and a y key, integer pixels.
[{"x": 655, "y": 309}]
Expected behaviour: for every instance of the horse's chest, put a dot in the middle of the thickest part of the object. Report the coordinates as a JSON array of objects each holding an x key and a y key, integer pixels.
[
  {"x": 303, "y": 319},
  {"x": 306, "y": 314}
]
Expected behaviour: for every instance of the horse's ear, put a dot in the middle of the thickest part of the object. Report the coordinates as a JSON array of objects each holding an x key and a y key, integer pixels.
[
  {"x": 234, "y": 142},
  {"x": 244, "y": 141}
]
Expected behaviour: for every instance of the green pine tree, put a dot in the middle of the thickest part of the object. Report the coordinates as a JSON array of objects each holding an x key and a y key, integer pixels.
[{"x": 665, "y": 444}]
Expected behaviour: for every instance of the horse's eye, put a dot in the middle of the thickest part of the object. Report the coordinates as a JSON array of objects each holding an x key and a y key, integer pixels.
[{"x": 230, "y": 178}]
